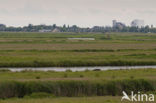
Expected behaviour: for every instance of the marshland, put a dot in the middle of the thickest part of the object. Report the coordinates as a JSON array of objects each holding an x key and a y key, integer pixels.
[
  {"x": 56, "y": 50},
  {"x": 39, "y": 50}
]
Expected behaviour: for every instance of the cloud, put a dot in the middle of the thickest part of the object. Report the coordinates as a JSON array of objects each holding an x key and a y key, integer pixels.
[{"x": 80, "y": 12}]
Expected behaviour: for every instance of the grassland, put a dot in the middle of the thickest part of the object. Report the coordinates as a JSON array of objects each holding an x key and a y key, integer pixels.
[
  {"x": 76, "y": 84},
  {"x": 102, "y": 99},
  {"x": 56, "y": 50},
  {"x": 148, "y": 74}
]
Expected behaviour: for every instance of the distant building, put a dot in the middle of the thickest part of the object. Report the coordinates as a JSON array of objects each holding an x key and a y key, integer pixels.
[
  {"x": 56, "y": 30},
  {"x": 137, "y": 23},
  {"x": 152, "y": 26},
  {"x": 114, "y": 23},
  {"x": 45, "y": 30},
  {"x": 118, "y": 24},
  {"x": 49, "y": 30}
]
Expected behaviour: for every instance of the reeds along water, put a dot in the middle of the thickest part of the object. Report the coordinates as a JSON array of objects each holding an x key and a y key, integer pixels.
[
  {"x": 78, "y": 63},
  {"x": 10, "y": 89}
]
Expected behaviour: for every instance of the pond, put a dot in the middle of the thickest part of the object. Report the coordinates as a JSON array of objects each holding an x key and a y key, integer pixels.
[{"x": 81, "y": 38}]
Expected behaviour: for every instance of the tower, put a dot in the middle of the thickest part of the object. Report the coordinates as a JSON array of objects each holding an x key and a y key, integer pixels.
[{"x": 114, "y": 23}]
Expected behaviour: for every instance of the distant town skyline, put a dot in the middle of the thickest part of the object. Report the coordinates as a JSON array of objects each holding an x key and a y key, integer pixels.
[
  {"x": 113, "y": 24},
  {"x": 84, "y": 13}
]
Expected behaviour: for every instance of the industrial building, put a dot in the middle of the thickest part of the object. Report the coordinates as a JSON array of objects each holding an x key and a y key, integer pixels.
[
  {"x": 118, "y": 24},
  {"x": 137, "y": 23}
]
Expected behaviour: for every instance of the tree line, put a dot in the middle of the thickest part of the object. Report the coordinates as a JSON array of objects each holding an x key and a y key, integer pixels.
[{"x": 75, "y": 28}]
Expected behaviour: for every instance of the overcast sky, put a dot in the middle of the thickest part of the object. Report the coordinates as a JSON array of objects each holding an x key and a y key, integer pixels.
[{"x": 85, "y": 13}]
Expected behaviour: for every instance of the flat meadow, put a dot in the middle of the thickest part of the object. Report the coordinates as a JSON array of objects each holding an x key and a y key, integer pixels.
[
  {"x": 57, "y": 50},
  {"x": 102, "y": 99},
  {"x": 28, "y": 75}
]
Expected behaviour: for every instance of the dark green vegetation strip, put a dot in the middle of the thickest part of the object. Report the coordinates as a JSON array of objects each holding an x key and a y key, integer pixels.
[
  {"x": 10, "y": 89},
  {"x": 80, "y": 63},
  {"x": 72, "y": 58}
]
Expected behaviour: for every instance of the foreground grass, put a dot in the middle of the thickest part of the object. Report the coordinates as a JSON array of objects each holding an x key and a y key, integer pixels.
[
  {"x": 71, "y": 84},
  {"x": 106, "y": 99},
  {"x": 60, "y": 85}
]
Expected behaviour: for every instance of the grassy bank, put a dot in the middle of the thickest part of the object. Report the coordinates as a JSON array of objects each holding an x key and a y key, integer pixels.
[
  {"x": 82, "y": 87},
  {"x": 102, "y": 99},
  {"x": 148, "y": 74},
  {"x": 71, "y": 84},
  {"x": 10, "y": 89}
]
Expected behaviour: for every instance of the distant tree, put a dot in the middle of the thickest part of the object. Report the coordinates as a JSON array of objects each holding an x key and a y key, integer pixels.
[
  {"x": 2, "y": 27},
  {"x": 146, "y": 29},
  {"x": 54, "y": 26},
  {"x": 64, "y": 29}
]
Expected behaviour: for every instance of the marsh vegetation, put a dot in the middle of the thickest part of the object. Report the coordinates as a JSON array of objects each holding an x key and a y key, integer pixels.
[{"x": 55, "y": 50}]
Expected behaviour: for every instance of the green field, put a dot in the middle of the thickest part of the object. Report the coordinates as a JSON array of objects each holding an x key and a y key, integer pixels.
[
  {"x": 106, "y": 99},
  {"x": 56, "y": 50},
  {"x": 78, "y": 87},
  {"x": 149, "y": 74}
]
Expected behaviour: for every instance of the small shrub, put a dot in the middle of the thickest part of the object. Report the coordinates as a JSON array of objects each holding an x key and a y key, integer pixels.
[
  {"x": 97, "y": 70},
  {"x": 39, "y": 95},
  {"x": 81, "y": 76},
  {"x": 131, "y": 77},
  {"x": 38, "y": 77},
  {"x": 4, "y": 70}
]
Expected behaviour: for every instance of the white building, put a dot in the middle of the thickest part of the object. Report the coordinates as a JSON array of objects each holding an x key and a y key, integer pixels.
[
  {"x": 137, "y": 23},
  {"x": 44, "y": 30}
]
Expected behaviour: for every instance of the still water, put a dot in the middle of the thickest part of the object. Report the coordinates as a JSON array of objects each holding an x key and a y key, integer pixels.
[{"x": 61, "y": 69}]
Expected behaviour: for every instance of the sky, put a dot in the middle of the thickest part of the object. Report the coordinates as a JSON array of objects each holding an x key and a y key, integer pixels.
[{"x": 84, "y": 13}]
